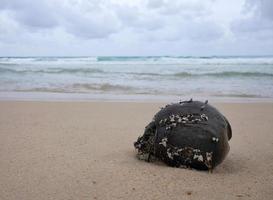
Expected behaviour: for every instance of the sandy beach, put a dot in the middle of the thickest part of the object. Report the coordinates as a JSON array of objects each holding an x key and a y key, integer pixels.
[{"x": 84, "y": 150}]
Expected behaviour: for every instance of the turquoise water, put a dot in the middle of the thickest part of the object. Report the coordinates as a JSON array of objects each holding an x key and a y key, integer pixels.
[{"x": 244, "y": 77}]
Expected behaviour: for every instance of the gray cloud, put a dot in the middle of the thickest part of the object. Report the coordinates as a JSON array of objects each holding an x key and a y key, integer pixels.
[
  {"x": 262, "y": 8},
  {"x": 135, "y": 27},
  {"x": 139, "y": 18},
  {"x": 81, "y": 18},
  {"x": 89, "y": 20},
  {"x": 258, "y": 23},
  {"x": 194, "y": 31},
  {"x": 171, "y": 20},
  {"x": 35, "y": 14},
  {"x": 99, "y": 19}
]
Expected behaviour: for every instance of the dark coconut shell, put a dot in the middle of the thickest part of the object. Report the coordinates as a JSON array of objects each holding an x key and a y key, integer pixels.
[{"x": 186, "y": 134}]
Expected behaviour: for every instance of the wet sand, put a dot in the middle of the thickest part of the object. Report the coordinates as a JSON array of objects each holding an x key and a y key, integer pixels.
[{"x": 84, "y": 150}]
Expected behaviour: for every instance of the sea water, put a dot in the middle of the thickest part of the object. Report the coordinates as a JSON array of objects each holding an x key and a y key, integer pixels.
[{"x": 136, "y": 77}]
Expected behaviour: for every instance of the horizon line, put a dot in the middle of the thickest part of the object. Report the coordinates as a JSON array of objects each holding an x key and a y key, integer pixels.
[{"x": 136, "y": 56}]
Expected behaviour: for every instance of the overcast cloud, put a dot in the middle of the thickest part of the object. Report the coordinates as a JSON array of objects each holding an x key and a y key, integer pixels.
[{"x": 139, "y": 27}]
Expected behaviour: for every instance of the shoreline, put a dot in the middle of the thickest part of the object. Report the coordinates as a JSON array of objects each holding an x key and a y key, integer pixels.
[{"x": 137, "y": 98}]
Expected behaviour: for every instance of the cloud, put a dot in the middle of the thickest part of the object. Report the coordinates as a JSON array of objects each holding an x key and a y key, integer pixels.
[
  {"x": 100, "y": 19},
  {"x": 89, "y": 20},
  {"x": 258, "y": 20},
  {"x": 158, "y": 20},
  {"x": 138, "y": 17},
  {"x": 194, "y": 31},
  {"x": 262, "y": 8},
  {"x": 134, "y": 27},
  {"x": 34, "y": 14},
  {"x": 7, "y": 25},
  {"x": 80, "y": 18}
]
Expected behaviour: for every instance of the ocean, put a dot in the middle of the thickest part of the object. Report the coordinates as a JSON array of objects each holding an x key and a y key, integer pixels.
[{"x": 151, "y": 77}]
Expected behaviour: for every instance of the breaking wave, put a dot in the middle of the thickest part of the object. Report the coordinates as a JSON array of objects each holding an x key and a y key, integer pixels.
[
  {"x": 222, "y": 74},
  {"x": 183, "y": 60},
  {"x": 188, "y": 60},
  {"x": 79, "y": 88},
  {"x": 101, "y": 87},
  {"x": 52, "y": 70},
  {"x": 226, "y": 74}
]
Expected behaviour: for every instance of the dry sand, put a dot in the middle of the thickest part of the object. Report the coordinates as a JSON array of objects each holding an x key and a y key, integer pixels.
[{"x": 76, "y": 150}]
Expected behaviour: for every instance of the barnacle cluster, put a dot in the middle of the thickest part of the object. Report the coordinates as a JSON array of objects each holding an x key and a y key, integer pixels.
[
  {"x": 182, "y": 119},
  {"x": 186, "y": 155}
]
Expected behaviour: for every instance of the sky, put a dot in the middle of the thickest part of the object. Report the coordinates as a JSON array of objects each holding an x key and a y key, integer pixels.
[{"x": 136, "y": 27}]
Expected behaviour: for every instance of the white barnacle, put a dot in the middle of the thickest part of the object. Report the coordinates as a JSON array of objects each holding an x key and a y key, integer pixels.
[
  {"x": 197, "y": 120},
  {"x": 164, "y": 141},
  {"x": 204, "y": 117},
  {"x": 209, "y": 156},
  {"x": 180, "y": 150},
  {"x": 215, "y": 139},
  {"x": 176, "y": 153},
  {"x": 198, "y": 157},
  {"x": 172, "y": 118},
  {"x": 196, "y": 150},
  {"x": 179, "y": 120},
  {"x": 169, "y": 154},
  {"x": 185, "y": 119}
]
